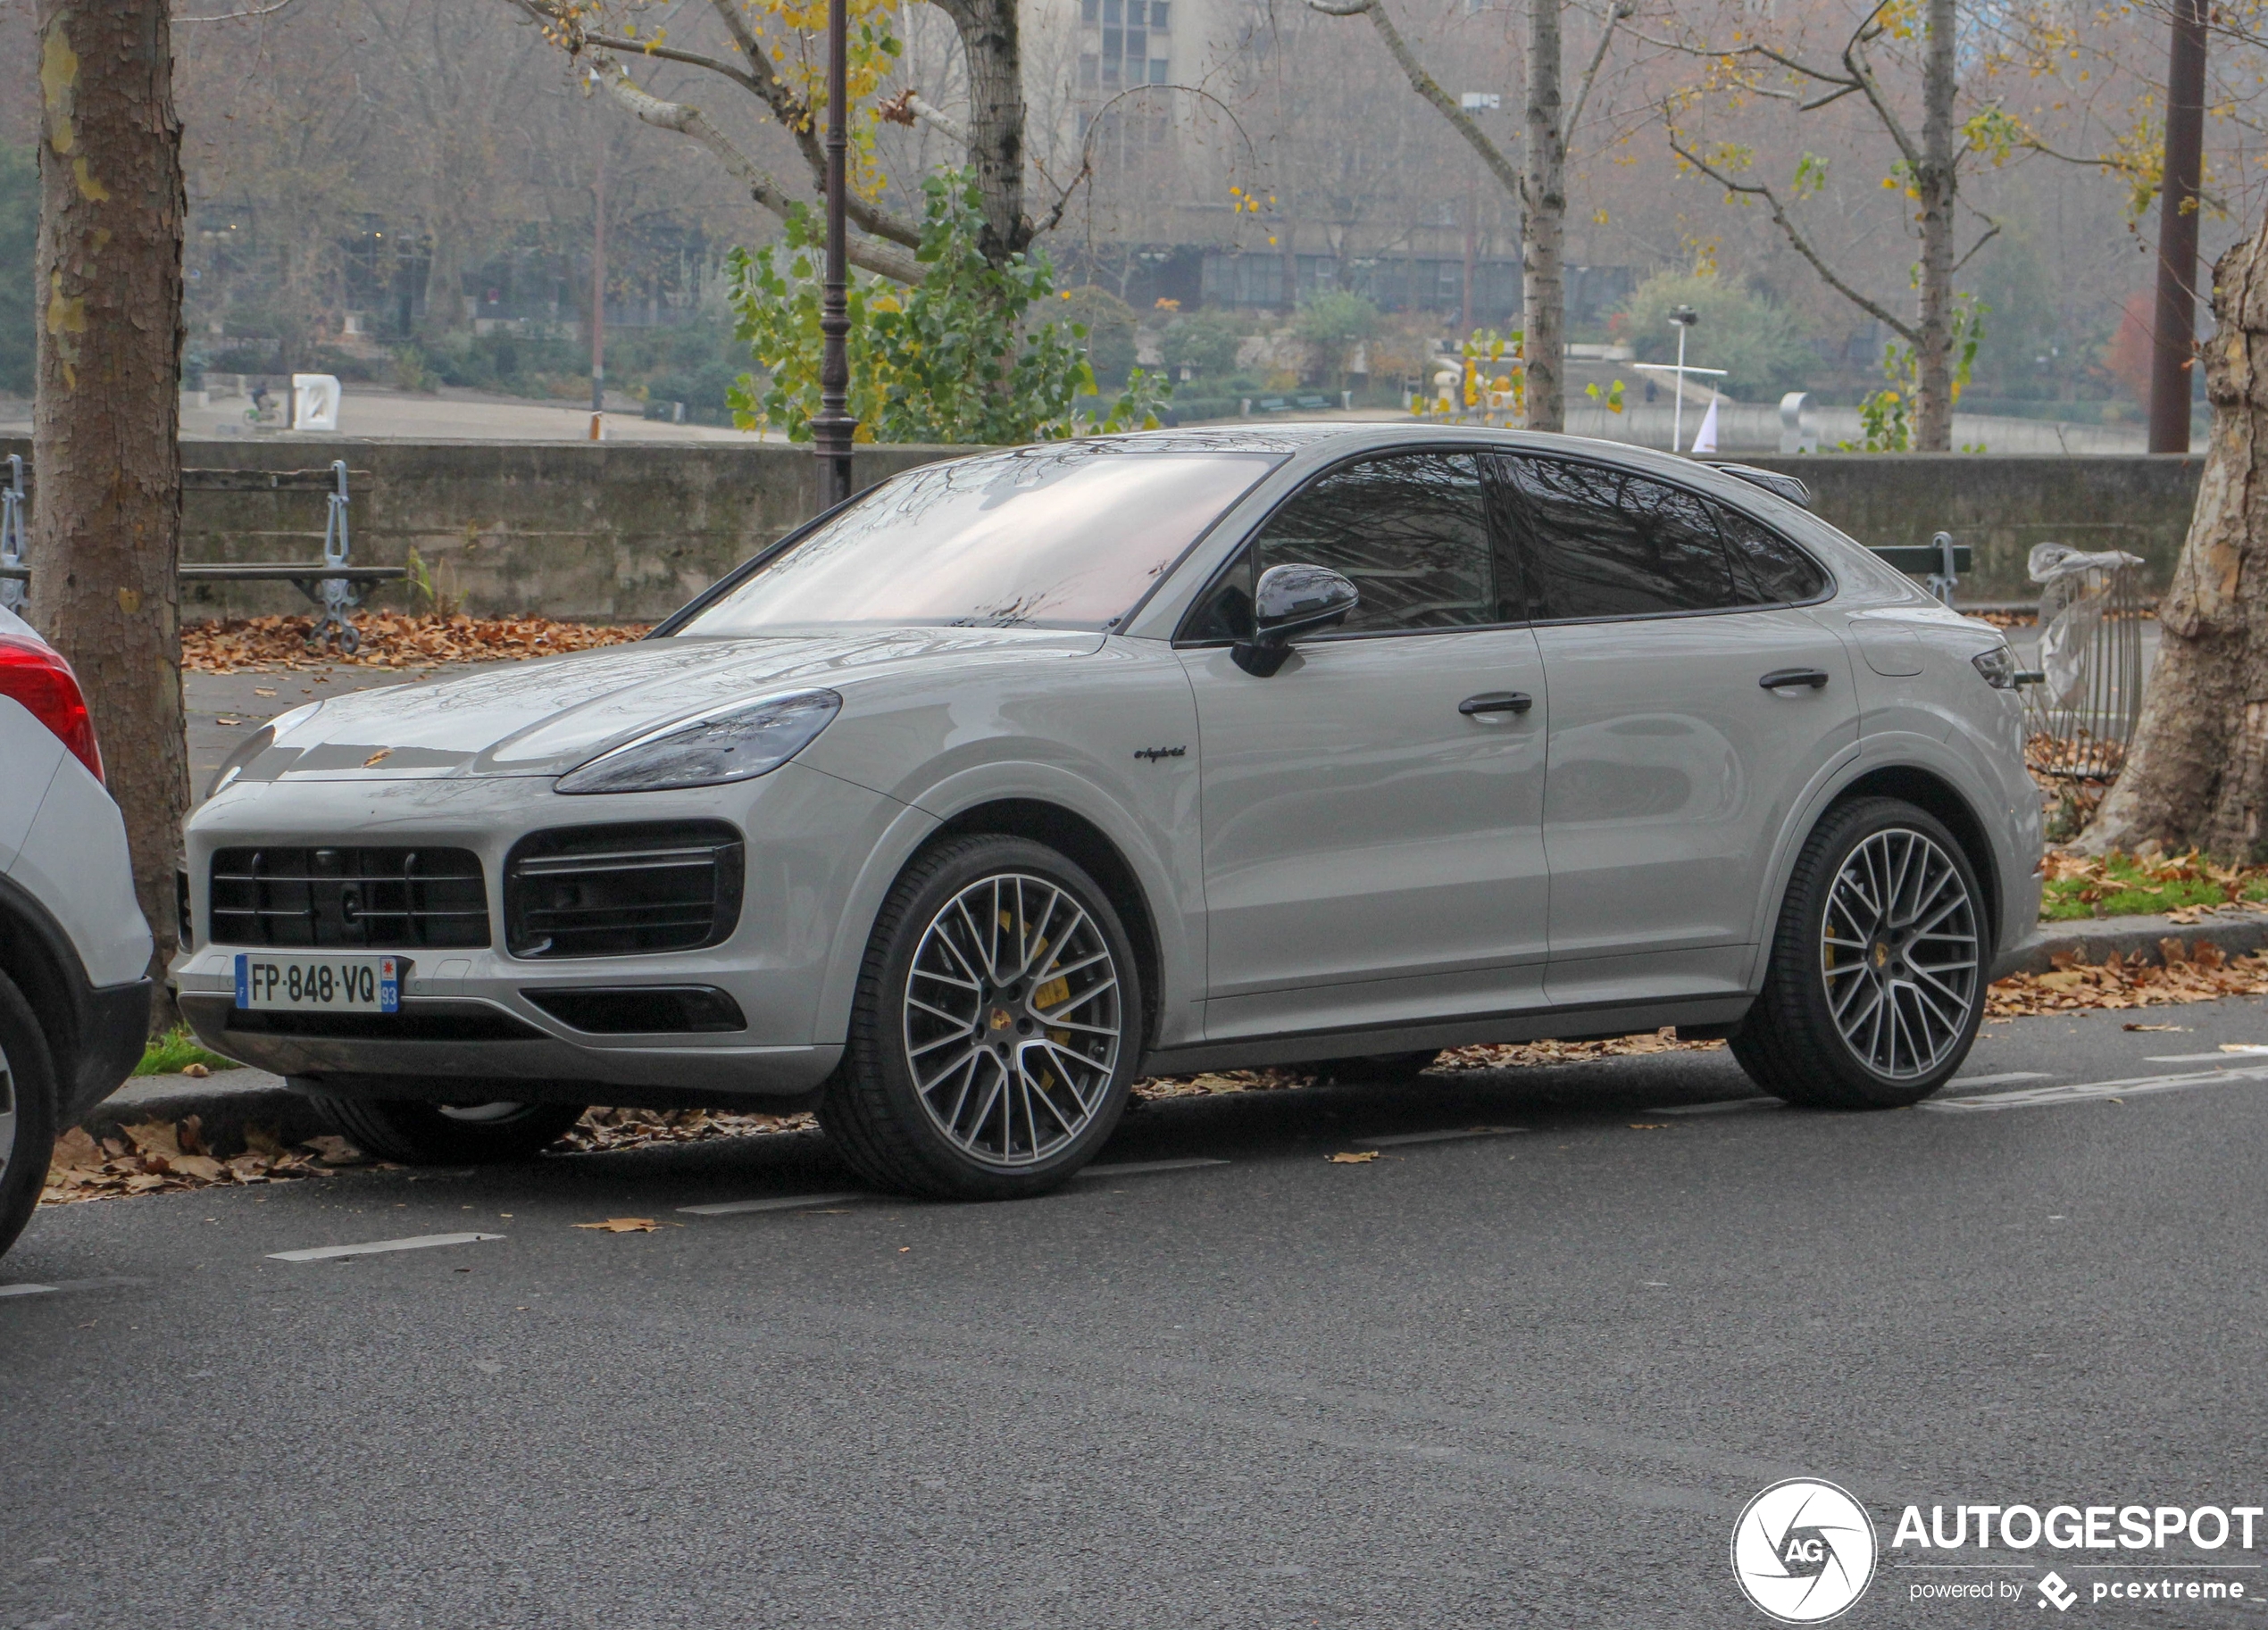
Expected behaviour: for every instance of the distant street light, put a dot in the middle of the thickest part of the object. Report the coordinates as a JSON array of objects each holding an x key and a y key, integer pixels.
[
  {"x": 832, "y": 427},
  {"x": 1681, "y": 318}
]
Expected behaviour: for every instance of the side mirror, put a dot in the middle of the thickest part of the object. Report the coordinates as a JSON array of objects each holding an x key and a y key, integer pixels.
[{"x": 1292, "y": 600}]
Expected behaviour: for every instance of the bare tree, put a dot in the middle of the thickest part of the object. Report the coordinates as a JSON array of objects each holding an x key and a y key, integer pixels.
[
  {"x": 106, "y": 520},
  {"x": 1539, "y": 183},
  {"x": 992, "y": 135},
  {"x": 1927, "y": 172},
  {"x": 2198, "y": 770}
]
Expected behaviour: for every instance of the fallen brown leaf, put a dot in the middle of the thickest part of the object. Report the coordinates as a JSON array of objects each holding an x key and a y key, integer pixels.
[
  {"x": 2136, "y": 1026},
  {"x": 1362, "y": 1158},
  {"x": 157, "y": 1138},
  {"x": 332, "y": 1150},
  {"x": 1649, "y": 1126},
  {"x": 390, "y": 640},
  {"x": 380, "y": 757},
  {"x": 622, "y": 1224},
  {"x": 196, "y": 1072}
]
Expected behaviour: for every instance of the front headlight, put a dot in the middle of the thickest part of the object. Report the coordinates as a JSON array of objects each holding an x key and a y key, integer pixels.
[{"x": 734, "y": 742}]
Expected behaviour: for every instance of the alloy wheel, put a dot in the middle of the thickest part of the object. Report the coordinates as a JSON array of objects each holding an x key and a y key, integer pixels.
[
  {"x": 1900, "y": 953},
  {"x": 1013, "y": 1019}
]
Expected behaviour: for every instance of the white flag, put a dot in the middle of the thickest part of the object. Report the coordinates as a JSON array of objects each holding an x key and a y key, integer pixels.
[{"x": 1705, "y": 439}]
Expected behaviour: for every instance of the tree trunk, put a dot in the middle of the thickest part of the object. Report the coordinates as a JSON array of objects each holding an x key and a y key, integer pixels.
[
  {"x": 993, "y": 47},
  {"x": 105, "y": 535},
  {"x": 1936, "y": 180},
  {"x": 1543, "y": 227},
  {"x": 2198, "y": 770},
  {"x": 444, "y": 281}
]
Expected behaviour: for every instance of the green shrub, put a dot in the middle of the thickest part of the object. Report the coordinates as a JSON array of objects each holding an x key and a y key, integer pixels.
[{"x": 1753, "y": 339}]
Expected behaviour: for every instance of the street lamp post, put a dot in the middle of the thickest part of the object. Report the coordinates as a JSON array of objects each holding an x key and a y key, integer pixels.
[
  {"x": 1681, "y": 318},
  {"x": 831, "y": 430}
]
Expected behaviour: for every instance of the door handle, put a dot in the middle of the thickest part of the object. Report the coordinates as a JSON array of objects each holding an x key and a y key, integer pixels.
[
  {"x": 1499, "y": 702},
  {"x": 1781, "y": 678}
]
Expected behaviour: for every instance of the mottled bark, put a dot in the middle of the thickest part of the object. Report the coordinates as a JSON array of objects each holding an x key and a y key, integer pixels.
[
  {"x": 1544, "y": 226},
  {"x": 105, "y": 535},
  {"x": 2198, "y": 770},
  {"x": 993, "y": 52},
  {"x": 1935, "y": 179}
]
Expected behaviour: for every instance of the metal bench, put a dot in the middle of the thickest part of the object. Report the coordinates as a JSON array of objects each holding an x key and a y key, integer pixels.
[{"x": 331, "y": 582}]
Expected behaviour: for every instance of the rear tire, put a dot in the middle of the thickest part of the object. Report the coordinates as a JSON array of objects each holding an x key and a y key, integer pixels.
[
  {"x": 421, "y": 1134},
  {"x": 28, "y": 1098},
  {"x": 1875, "y": 986},
  {"x": 996, "y": 1030}
]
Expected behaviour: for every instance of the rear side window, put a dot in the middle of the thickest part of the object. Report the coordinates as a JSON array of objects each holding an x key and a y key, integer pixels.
[
  {"x": 1768, "y": 568},
  {"x": 1411, "y": 530},
  {"x": 1606, "y": 543}
]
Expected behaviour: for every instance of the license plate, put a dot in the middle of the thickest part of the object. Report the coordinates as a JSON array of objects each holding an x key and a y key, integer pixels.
[{"x": 320, "y": 985}]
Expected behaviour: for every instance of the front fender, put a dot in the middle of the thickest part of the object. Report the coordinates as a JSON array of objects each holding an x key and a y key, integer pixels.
[{"x": 1168, "y": 882}]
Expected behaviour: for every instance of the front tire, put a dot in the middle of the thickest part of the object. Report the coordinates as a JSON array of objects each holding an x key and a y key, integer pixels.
[
  {"x": 421, "y": 1134},
  {"x": 28, "y": 1099},
  {"x": 1875, "y": 986},
  {"x": 996, "y": 1027}
]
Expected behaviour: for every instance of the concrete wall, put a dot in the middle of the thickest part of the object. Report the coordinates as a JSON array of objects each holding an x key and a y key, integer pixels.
[
  {"x": 589, "y": 532},
  {"x": 2002, "y": 505},
  {"x": 624, "y": 532}
]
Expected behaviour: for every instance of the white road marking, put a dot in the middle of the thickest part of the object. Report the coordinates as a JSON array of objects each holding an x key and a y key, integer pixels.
[
  {"x": 1714, "y": 1109},
  {"x": 2083, "y": 1091},
  {"x": 2004, "y": 1077},
  {"x": 2198, "y": 1057},
  {"x": 27, "y": 1289},
  {"x": 323, "y": 1254},
  {"x": 1135, "y": 1168},
  {"x": 792, "y": 1202},
  {"x": 1439, "y": 1137}
]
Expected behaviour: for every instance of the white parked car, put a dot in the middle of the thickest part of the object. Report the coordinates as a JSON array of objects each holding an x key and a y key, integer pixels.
[
  {"x": 1028, "y": 774},
  {"x": 74, "y": 951}
]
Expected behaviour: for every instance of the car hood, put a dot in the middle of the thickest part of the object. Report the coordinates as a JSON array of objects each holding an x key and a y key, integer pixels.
[{"x": 543, "y": 718}]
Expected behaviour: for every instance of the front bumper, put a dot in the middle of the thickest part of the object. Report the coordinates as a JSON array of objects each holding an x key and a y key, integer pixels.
[
  {"x": 419, "y": 1063},
  {"x": 467, "y": 1013}
]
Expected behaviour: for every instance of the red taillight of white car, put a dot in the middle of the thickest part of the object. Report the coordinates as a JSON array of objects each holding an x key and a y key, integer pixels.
[{"x": 43, "y": 682}]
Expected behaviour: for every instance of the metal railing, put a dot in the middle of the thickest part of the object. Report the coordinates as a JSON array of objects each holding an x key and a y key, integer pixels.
[{"x": 334, "y": 583}]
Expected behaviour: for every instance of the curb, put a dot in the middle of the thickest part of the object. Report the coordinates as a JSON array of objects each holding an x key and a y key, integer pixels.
[
  {"x": 2093, "y": 941},
  {"x": 225, "y": 1101}
]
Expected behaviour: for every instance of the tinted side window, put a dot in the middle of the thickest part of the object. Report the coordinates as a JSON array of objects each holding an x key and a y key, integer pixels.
[
  {"x": 1411, "y": 529},
  {"x": 1605, "y": 543},
  {"x": 1768, "y": 568}
]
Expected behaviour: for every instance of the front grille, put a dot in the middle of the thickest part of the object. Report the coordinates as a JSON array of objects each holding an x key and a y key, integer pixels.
[
  {"x": 618, "y": 891},
  {"x": 382, "y": 899}
]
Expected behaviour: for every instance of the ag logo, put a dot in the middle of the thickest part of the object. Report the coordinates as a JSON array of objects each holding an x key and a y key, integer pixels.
[{"x": 1803, "y": 1550}]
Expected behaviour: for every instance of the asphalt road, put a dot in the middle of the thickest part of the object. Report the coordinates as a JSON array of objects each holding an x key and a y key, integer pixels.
[{"x": 1528, "y": 1377}]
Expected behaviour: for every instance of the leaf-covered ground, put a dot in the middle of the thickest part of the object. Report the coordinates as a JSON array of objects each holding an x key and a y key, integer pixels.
[{"x": 390, "y": 639}]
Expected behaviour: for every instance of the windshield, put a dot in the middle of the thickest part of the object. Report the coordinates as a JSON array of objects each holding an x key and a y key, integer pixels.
[{"x": 1052, "y": 537}]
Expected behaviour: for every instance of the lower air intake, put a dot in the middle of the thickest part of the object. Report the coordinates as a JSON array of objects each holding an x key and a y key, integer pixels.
[{"x": 623, "y": 890}]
